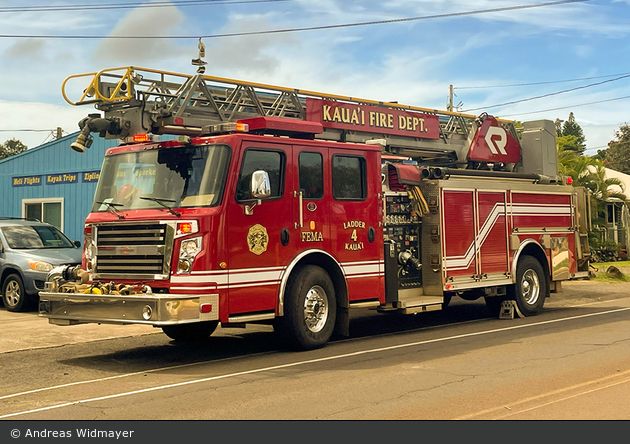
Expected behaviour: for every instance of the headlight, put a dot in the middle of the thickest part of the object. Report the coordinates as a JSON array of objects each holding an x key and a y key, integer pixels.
[
  {"x": 189, "y": 248},
  {"x": 40, "y": 266},
  {"x": 89, "y": 250}
]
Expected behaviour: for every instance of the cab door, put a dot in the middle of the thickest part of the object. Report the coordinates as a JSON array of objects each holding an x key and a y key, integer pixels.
[
  {"x": 259, "y": 235},
  {"x": 355, "y": 221},
  {"x": 312, "y": 199}
]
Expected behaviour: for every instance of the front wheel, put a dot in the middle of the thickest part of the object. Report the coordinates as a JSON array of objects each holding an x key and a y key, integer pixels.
[
  {"x": 13, "y": 295},
  {"x": 310, "y": 309},
  {"x": 530, "y": 289},
  {"x": 198, "y": 331}
]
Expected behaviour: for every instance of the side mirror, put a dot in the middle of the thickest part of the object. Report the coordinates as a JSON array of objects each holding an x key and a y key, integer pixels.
[
  {"x": 260, "y": 186},
  {"x": 77, "y": 244}
]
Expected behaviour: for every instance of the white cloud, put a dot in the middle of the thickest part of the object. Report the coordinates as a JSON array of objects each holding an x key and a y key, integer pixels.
[
  {"x": 26, "y": 49},
  {"x": 142, "y": 22},
  {"x": 37, "y": 116}
]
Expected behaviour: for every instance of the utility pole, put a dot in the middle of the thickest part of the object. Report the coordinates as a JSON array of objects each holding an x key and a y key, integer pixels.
[
  {"x": 59, "y": 132},
  {"x": 449, "y": 105}
]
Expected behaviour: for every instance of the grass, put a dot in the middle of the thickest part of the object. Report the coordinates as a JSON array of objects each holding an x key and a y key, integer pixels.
[{"x": 600, "y": 276}]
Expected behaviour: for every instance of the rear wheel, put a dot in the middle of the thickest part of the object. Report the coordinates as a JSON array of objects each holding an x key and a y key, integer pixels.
[
  {"x": 13, "y": 295},
  {"x": 198, "y": 331},
  {"x": 310, "y": 309},
  {"x": 530, "y": 289}
]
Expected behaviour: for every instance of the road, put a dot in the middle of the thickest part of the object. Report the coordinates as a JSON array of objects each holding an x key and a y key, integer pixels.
[{"x": 570, "y": 362}]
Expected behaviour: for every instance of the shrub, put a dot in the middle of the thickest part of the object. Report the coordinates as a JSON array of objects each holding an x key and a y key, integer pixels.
[{"x": 604, "y": 251}]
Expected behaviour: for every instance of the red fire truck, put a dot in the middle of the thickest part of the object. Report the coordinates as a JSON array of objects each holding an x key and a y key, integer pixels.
[{"x": 264, "y": 204}]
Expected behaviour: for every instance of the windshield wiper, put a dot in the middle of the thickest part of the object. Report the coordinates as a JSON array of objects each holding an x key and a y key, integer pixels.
[
  {"x": 111, "y": 207},
  {"x": 161, "y": 202}
]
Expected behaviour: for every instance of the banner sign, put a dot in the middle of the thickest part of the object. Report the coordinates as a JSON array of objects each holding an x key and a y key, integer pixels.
[
  {"x": 26, "y": 181},
  {"x": 56, "y": 179},
  {"x": 373, "y": 119},
  {"x": 91, "y": 176}
]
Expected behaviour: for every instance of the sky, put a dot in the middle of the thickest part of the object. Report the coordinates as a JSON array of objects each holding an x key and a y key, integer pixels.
[{"x": 502, "y": 57}]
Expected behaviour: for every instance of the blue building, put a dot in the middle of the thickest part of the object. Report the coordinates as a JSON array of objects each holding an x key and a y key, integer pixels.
[{"x": 53, "y": 183}]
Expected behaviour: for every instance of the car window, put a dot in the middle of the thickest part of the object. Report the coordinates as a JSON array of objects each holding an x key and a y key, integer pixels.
[{"x": 23, "y": 237}]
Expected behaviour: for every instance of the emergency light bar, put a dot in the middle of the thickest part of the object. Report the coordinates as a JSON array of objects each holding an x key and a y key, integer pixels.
[{"x": 227, "y": 127}]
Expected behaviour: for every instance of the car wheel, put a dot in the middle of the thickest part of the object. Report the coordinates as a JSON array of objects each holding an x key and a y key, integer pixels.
[{"x": 13, "y": 295}]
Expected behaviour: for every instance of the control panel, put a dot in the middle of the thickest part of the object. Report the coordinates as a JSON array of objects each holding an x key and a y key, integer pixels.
[{"x": 402, "y": 240}]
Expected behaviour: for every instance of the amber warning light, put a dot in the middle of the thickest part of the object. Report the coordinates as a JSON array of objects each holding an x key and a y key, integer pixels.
[{"x": 143, "y": 138}]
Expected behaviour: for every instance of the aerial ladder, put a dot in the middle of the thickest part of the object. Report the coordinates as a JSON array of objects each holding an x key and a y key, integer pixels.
[{"x": 140, "y": 100}]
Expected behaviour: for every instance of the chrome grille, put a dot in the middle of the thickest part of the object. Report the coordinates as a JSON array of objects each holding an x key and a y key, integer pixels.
[{"x": 138, "y": 250}]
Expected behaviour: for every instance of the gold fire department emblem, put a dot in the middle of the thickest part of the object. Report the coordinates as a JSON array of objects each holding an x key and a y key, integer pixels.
[{"x": 257, "y": 239}]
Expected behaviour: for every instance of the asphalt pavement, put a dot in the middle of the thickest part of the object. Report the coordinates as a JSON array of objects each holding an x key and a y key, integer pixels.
[{"x": 21, "y": 331}]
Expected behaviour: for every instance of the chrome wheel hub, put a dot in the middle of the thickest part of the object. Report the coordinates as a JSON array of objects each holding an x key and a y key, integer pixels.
[
  {"x": 316, "y": 309},
  {"x": 530, "y": 287}
]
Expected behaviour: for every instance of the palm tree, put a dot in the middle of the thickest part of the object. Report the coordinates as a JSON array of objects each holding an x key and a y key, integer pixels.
[
  {"x": 579, "y": 168},
  {"x": 603, "y": 190},
  {"x": 590, "y": 173}
]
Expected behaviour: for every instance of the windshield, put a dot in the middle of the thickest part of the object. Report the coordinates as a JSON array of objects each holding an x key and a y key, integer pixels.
[
  {"x": 24, "y": 237},
  {"x": 175, "y": 177}
]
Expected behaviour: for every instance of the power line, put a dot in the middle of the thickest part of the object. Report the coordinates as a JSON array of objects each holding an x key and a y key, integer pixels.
[
  {"x": 596, "y": 148},
  {"x": 566, "y": 107},
  {"x": 548, "y": 95},
  {"x": 22, "y": 130},
  {"x": 131, "y": 5},
  {"x": 310, "y": 28},
  {"x": 540, "y": 83}
]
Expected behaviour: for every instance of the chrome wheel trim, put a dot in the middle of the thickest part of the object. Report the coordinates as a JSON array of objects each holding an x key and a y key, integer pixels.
[
  {"x": 316, "y": 309},
  {"x": 530, "y": 287}
]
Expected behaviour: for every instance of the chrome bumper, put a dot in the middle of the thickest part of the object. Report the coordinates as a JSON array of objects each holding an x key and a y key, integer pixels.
[{"x": 149, "y": 309}]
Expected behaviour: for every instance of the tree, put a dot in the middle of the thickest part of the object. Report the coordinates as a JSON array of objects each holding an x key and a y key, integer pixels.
[
  {"x": 572, "y": 128},
  {"x": 558, "y": 124},
  {"x": 617, "y": 155},
  {"x": 570, "y": 143},
  {"x": 11, "y": 147}
]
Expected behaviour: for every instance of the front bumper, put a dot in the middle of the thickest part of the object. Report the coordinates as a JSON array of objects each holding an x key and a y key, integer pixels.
[{"x": 149, "y": 309}]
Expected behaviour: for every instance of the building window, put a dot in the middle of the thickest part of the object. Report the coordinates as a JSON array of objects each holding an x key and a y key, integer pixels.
[{"x": 45, "y": 210}]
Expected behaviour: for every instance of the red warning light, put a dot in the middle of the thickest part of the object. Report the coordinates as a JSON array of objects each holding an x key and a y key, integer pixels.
[{"x": 184, "y": 227}]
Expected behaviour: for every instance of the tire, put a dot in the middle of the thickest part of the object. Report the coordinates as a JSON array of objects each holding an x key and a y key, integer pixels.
[
  {"x": 531, "y": 287},
  {"x": 199, "y": 331},
  {"x": 310, "y": 309},
  {"x": 13, "y": 295}
]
